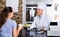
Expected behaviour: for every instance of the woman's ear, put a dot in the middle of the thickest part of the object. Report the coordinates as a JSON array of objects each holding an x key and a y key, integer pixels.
[{"x": 9, "y": 13}]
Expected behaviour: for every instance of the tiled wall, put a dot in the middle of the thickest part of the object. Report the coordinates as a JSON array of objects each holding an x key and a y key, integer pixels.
[{"x": 18, "y": 15}]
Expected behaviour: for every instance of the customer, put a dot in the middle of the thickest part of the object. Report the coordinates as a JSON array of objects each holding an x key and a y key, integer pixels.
[{"x": 8, "y": 27}]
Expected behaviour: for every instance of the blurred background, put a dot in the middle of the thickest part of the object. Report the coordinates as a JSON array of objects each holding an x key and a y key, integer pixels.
[{"x": 24, "y": 13}]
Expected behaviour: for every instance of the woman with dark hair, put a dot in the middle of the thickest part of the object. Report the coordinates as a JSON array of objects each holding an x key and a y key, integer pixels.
[{"x": 8, "y": 27}]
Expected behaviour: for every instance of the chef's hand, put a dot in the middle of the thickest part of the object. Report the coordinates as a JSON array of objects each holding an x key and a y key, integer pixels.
[{"x": 43, "y": 29}]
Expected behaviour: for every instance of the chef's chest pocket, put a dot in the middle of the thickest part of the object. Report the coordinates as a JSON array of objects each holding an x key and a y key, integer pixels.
[{"x": 37, "y": 23}]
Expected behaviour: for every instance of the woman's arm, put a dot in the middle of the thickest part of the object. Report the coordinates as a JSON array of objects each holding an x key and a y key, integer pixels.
[
  {"x": 19, "y": 29},
  {"x": 16, "y": 31}
]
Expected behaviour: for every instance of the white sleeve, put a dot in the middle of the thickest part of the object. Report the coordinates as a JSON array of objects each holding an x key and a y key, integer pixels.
[{"x": 48, "y": 22}]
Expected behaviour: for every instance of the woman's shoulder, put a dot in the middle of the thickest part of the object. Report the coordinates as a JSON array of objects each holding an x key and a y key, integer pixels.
[{"x": 11, "y": 21}]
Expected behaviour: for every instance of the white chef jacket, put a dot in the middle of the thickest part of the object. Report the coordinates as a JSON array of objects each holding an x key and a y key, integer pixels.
[{"x": 36, "y": 23}]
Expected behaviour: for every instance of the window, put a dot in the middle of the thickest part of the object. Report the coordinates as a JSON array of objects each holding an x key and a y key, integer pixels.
[{"x": 30, "y": 12}]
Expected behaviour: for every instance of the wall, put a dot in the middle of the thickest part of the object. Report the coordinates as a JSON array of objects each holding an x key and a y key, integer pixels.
[
  {"x": 33, "y": 1},
  {"x": 37, "y": 1},
  {"x": 13, "y": 4},
  {"x": 2, "y": 4},
  {"x": 18, "y": 15}
]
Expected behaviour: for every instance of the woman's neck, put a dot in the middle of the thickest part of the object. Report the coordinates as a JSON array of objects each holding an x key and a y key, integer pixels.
[{"x": 9, "y": 18}]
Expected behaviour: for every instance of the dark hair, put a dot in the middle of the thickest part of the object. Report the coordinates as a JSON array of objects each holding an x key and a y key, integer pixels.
[
  {"x": 35, "y": 12},
  {"x": 4, "y": 15}
]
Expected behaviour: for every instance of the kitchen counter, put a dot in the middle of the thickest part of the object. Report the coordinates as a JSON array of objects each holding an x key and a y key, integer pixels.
[{"x": 54, "y": 31}]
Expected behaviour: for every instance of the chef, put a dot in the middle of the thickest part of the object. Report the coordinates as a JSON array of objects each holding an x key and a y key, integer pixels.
[{"x": 41, "y": 21}]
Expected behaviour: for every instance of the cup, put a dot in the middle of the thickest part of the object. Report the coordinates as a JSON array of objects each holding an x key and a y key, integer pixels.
[{"x": 20, "y": 25}]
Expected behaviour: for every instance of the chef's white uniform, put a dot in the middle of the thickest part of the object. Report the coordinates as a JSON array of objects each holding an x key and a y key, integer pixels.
[
  {"x": 40, "y": 22},
  {"x": 36, "y": 24}
]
